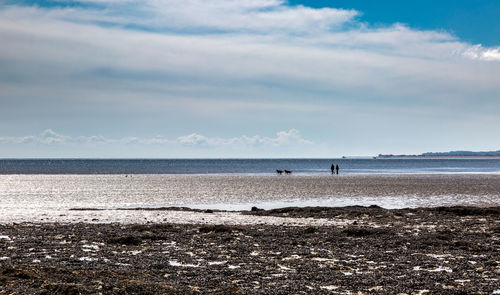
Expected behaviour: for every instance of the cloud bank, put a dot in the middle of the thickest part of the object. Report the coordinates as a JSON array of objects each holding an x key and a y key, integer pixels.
[{"x": 50, "y": 137}]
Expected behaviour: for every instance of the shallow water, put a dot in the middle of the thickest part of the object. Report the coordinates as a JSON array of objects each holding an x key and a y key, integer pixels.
[{"x": 49, "y": 196}]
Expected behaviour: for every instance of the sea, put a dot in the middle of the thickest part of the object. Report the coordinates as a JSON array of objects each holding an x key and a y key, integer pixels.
[
  {"x": 88, "y": 190},
  {"x": 249, "y": 166}
]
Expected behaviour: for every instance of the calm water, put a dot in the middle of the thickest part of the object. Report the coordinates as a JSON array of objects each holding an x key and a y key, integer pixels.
[{"x": 246, "y": 166}]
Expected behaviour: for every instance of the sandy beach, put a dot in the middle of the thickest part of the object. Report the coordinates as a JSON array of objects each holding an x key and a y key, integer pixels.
[{"x": 124, "y": 246}]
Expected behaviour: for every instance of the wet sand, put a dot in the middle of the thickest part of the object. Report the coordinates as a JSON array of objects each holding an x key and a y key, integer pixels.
[
  {"x": 369, "y": 250},
  {"x": 49, "y": 198}
]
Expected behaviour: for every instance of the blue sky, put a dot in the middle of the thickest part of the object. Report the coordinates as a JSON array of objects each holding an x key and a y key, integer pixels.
[
  {"x": 247, "y": 78},
  {"x": 473, "y": 21}
]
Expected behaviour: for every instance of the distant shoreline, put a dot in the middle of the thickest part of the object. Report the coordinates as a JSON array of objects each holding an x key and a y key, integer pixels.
[
  {"x": 434, "y": 157},
  {"x": 445, "y": 155}
]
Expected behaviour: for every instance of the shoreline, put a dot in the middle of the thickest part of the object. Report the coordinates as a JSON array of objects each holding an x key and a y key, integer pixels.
[{"x": 378, "y": 251}]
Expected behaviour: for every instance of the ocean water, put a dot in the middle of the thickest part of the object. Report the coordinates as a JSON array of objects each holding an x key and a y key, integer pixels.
[{"x": 246, "y": 166}]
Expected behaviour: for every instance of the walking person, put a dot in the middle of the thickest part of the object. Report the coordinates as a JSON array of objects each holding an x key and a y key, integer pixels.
[
  {"x": 332, "y": 168},
  {"x": 337, "y": 168}
]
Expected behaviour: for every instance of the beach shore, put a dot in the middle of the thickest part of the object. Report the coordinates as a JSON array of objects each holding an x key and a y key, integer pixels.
[{"x": 364, "y": 250}]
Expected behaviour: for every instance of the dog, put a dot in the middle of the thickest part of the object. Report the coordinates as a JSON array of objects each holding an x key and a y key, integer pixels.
[
  {"x": 288, "y": 172},
  {"x": 279, "y": 172}
]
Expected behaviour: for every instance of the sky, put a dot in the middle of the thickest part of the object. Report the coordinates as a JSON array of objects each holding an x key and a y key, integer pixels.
[{"x": 247, "y": 78}]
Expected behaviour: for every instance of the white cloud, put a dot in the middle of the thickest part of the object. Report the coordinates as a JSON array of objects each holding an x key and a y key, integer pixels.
[
  {"x": 481, "y": 53},
  {"x": 261, "y": 17},
  {"x": 119, "y": 66},
  {"x": 49, "y": 137},
  {"x": 282, "y": 138},
  {"x": 194, "y": 139},
  {"x": 92, "y": 139},
  {"x": 200, "y": 15}
]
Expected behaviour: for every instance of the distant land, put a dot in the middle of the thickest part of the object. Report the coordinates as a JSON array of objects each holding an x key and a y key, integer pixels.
[{"x": 452, "y": 154}]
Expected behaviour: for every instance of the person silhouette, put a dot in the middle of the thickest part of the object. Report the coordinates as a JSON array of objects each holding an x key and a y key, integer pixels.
[
  {"x": 337, "y": 168},
  {"x": 332, "y": 168}
]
